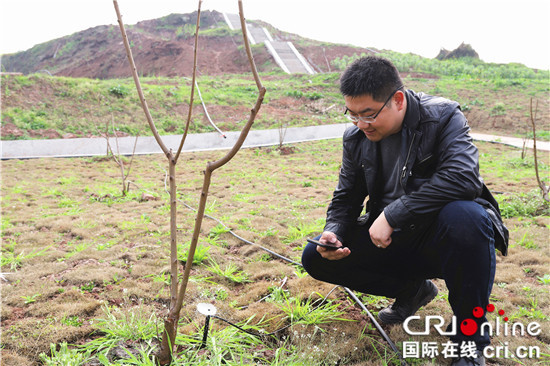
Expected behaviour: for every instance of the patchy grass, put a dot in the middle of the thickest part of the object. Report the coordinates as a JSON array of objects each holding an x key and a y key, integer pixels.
[
  {"x": 88, "y": 270},
  {"x": 40, "y": 106}
]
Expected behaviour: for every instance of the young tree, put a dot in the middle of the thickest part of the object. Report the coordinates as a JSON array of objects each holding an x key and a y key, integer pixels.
[{"x": 164, "y": 356}]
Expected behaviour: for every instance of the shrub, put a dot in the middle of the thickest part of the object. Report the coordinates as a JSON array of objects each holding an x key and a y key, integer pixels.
[
  {"x": 119, "y": 91},
  {"x": 524, "y": 204}
]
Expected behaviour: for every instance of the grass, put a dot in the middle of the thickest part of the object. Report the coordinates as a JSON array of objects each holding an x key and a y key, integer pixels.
[
  {"x": 96, "y": 283},
  {"x": 82, "y": 107}
]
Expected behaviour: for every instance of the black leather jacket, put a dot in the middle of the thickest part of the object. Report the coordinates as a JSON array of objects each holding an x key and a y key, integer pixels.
[{"x": 441, "y": 166}]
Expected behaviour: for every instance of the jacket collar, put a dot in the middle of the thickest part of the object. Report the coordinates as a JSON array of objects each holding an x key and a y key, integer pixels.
[{"x": 412, "y": 115}]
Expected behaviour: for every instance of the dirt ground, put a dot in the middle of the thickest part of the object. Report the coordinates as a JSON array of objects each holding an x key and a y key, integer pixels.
[{"x": 76, "y": 245}]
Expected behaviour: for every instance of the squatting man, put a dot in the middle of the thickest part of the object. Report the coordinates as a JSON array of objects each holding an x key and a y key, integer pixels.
[{"x": 409, "y": 160}]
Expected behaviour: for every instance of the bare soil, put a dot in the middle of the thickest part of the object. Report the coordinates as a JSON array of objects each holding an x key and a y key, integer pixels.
[{"x": 83, "y": 246}]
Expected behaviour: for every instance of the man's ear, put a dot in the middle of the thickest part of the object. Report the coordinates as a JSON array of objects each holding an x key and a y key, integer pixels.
[{"x": 399, "y": 99}]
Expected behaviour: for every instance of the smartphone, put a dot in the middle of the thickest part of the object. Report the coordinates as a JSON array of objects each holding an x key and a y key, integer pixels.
[{"x": 328, "y": 245}]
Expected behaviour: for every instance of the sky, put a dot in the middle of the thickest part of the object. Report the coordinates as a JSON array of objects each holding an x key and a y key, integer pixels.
[{"x": 501, "y": 31}]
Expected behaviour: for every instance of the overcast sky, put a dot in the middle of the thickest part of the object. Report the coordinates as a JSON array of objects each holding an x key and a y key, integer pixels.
[{"x": 500, "y": 31}]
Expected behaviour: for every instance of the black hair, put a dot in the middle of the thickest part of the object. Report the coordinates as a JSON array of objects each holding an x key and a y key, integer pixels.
[{"x": 371, "y": 75}]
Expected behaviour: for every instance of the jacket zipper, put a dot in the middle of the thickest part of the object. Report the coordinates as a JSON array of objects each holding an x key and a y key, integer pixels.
[{"x": 404, "y": 170}]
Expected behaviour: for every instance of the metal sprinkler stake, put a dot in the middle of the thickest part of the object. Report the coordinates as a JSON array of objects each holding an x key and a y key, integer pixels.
[{"x": 208, "y": 310}]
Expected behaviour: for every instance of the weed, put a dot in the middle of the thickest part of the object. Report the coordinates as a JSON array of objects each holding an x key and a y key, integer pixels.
[
  {"x": 498, "y": 109},
  {"x": 377, "y": 302},
  {"x": 77, "y": 249},
  {"x": 201, "y": 254},
  {"x": 523, "y": 204},
  {"x": 123, "y": 325},
  {"x": 230, "y": 345},
  {"x": 300, "y": 272},
  {"x": 30, "y": 299},
  {"x": 218, "y": 230},
  {"x": 306, "y": 312},
  {"x": 218, "y": 293},
  {"x": 277, "y": 294},
  {"x": 527, "y": 243},
  {"x": 87, "y": 286},
  {"x": 16, "y": 261},
  {"x": 303, "y": 230},
  {"x": 269, "y": 232},
  {"x": 65, "y": 356},
  {"x": 545, "y": 280},
  {"x": 73, "y": 321},
  {"x": 230, "y": 272},
  {"x": 119, "y": 91},
  {"x": 106, "y": 245},
  {"x": 265, "y": 257}
]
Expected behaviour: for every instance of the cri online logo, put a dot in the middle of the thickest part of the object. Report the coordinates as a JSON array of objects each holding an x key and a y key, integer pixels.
[{"x": 469, "y": 326}]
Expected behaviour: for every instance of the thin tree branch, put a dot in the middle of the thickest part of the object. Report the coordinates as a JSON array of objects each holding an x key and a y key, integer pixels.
[
  {"x": 132, "y": 158},
  {"x": 248, "y": 50},
  {"x": 193, "y": 82},
  {"x": 137, "y": 82}
]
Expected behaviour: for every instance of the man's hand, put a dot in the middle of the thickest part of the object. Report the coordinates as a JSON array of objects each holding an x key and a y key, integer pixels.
[
  {"x": 380, "y": 232},
  {"x": 331, "y": 254}
]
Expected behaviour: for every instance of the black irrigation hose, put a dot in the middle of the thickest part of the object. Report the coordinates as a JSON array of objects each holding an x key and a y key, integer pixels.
[
  {"x": 262, "y": 335},
  {"x": 354, "y": 297}
]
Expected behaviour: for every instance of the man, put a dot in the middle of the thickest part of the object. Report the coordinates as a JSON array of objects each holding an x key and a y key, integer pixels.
[{"x": 428, "y": 213}]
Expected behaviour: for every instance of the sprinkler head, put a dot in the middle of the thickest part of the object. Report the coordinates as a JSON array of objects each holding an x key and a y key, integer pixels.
[{"x": 206, "y": 309}]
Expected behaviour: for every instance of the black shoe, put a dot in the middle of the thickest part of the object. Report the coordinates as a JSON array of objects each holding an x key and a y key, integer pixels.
[
  {"x": 470, "y": 361},
  {"x": 401, "y": 309}
]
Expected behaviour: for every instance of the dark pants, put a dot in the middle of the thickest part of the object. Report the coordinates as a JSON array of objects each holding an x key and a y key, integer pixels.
[{"x": 458, "y": 246}]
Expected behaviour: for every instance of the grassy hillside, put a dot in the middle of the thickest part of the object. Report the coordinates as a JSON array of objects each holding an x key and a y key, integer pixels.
[{"x": 495, "y": 99}]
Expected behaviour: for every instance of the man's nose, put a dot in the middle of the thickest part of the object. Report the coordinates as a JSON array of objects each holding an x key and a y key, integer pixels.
[{"x": 362, "y": 125}]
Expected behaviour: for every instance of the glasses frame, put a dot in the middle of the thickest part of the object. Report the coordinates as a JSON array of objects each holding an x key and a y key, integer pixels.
[{"x": 370, "y": 119}]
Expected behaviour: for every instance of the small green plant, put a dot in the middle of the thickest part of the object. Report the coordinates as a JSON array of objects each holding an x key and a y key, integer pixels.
[
  {"x": 304, "y": 230},
  {"x": 30, "y": 299},
  {"x": 87, "y": 286},
  {"x": 300, "y": 272},
  {"x": 307, "y": 312},
  {"x": 527, "y": 243},
  {"x": 545, "y": 280},
  {"x": 65, "y": 356},
  {"x": 277, "y": 294},
  {"x": 201, "y": 254},
  {"x": 230, "y": 272},
  {"x": 378, "y": 302},
  {"x": 498, "y": 109},
  {"x": 531, "y": 312},
  {"x": 218, "y": 230},
  {"x": 121, "y": 325},
  {"x": 314, "y": 96},
  {"x": 119, "y": 91},
  {"x": 269, "y": 232},
  {"x": 524, "y": 204},
  {"x": 16, "y": 261},
  {"x": 73, "y": 321},
  {"x": 294, "y": 94}
]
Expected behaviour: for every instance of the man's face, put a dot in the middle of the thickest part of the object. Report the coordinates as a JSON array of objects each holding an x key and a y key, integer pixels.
[{"x": 389, "y": 119}]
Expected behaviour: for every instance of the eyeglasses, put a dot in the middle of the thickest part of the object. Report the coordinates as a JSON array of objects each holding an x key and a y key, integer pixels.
[{"x": 370, "y": 119}]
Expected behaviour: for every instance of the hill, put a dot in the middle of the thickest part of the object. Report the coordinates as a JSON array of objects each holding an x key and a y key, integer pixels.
[
  {"x": 163, "y": 47},
  {"x": 91, "y": 85}
]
